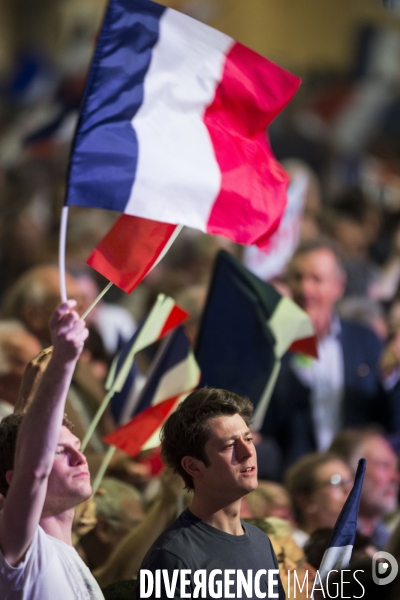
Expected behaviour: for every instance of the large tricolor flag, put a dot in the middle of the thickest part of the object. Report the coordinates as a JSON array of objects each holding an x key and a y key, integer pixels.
[
  {"x": 246, "y": 328},
  {"x": 172, "y": 126},
  {"x": 340, "y": 546},
  {"x": 174, "y": 374}
]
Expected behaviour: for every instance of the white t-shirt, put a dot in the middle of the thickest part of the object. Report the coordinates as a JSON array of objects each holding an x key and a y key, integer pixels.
[{"x": 51, "y": 570}]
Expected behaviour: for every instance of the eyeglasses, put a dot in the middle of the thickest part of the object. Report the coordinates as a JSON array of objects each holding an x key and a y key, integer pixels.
[{"x": 335, "y": 481}]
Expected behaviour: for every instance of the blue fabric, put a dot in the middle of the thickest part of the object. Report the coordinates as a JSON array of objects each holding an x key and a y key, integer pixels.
[
  {"x": 235, "y": 349},
  {"x": 175, "y": 350},
  {"x": 344, "y": 532},
  {"x": 119, "y": 399},
  {"x": 105, "y": 147}
]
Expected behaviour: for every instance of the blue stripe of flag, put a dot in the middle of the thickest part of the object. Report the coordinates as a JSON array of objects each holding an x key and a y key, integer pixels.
[
  {"x": 106, "y": 146},
  {"x": 119, "y": 399},
  {"x": 174, "y": 351},
  {"x": 344, "y": 532}
]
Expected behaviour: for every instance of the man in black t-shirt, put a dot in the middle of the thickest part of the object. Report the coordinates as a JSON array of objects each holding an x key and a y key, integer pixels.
[{"x": 207, "y": 552}]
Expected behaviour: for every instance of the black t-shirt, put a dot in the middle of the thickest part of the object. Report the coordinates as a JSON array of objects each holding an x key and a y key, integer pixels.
[{"x": 214, "y": 564}]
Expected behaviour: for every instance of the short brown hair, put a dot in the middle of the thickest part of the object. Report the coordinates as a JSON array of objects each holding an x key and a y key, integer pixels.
[
  {"x": 9, "y": 428},
  {"x": 186, "y": 431}
]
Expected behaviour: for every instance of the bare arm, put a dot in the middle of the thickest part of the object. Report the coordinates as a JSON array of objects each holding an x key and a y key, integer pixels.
[{"x": 38, "y": 437}]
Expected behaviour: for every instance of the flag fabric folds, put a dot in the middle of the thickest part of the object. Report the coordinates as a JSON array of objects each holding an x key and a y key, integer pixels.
[
  {"x": 172, "y": 126},
  {"x": 162, "y": 319},
  {"x": 340, "y": 546},
  {"x": 173, "y": 375},
  {"x": 246, "y": 328}
]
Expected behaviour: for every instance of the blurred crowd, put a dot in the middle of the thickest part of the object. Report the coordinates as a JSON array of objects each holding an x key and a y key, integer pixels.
[{"x": 340, "y": 134}]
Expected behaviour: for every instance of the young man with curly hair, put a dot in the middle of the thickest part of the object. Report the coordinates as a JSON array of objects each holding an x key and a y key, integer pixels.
[
  {"x": 208, "y": 552},
  {"x": 43, "y": 476}
]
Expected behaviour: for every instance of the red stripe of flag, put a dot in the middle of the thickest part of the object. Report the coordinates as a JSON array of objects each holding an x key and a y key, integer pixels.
[
  {"x": 131, "y": 437},
  {"x": 252, "y": 198},
  {"x": 307, "y": 346},
  {"x": 129, "y": 250},
  {"x": 175, "y": 318}
]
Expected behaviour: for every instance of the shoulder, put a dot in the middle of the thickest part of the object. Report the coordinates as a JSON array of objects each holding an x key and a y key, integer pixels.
[
  {"x": 170, "y": 545},
  {"x": 360, "y": 342},
  {"x": 260, "y": 541},
  {"x": 353, "y": 330},
  {"x": 38, "y": 554}
]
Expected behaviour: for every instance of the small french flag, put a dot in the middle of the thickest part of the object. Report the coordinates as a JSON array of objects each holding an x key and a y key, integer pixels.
[
  {"x": 174, "y": 374},
  {"x": 172, "y": 127},
  {"x": 163, "y": 318}
]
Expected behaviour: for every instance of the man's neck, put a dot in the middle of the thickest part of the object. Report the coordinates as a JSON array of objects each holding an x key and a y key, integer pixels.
[
  {"x": 322, "y": 325},
  {"x": 59, "y": 526},
  {"x": 224, "y": 518}
]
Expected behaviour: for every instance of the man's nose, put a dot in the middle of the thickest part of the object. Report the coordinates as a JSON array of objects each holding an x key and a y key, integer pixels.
[
  {"x": 244, "y": 449},
  {"x": 77, "y": 458}
]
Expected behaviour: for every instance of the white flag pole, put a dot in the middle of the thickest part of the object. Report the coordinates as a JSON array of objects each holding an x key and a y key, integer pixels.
[
  {"x": 103, "y": 468},
  {"x": 96, "y": 300},
  {"x": 61, "y": 253}
]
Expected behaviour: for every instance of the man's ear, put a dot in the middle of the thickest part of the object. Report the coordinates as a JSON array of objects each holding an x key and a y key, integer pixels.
[
  {"x": 193, "y": 466},
  {"x": 9, "y": 476}
]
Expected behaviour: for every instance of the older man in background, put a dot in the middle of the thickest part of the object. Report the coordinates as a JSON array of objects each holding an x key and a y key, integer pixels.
[
  {"x": 381, "y": 482},
  {"x": 315, "y": 399}
]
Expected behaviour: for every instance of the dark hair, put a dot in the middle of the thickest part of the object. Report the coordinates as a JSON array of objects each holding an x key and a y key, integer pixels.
[
  {"x": 9, "y": 428},
  {"x": 186, "y": 431},
  {"x": 300, "y": 477}
]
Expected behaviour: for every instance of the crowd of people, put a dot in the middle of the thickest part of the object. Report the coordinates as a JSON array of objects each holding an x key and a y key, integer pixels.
[{"x": 324, "y": 415}]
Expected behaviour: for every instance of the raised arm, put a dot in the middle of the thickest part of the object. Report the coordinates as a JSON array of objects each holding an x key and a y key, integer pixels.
[{"x": 38, "y": 437}]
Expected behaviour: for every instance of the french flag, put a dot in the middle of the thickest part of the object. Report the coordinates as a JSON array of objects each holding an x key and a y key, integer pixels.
[
  {"x": 172, "y": 127},
  {"x": 173, "y": 375},
  {"x": 161, "y": 320},
  {"x": 340, "y": 546}
]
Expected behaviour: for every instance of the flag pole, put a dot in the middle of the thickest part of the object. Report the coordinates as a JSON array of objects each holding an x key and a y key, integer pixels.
[
  {"x": 96, "y": 300},
  {"x": 263, "y": 403},
  {"x": 103, "y": 468},
  {"x": 61, "y": 253},
  {"x": 116, "y": 385},
  {"x": 97, "y": 418}
]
